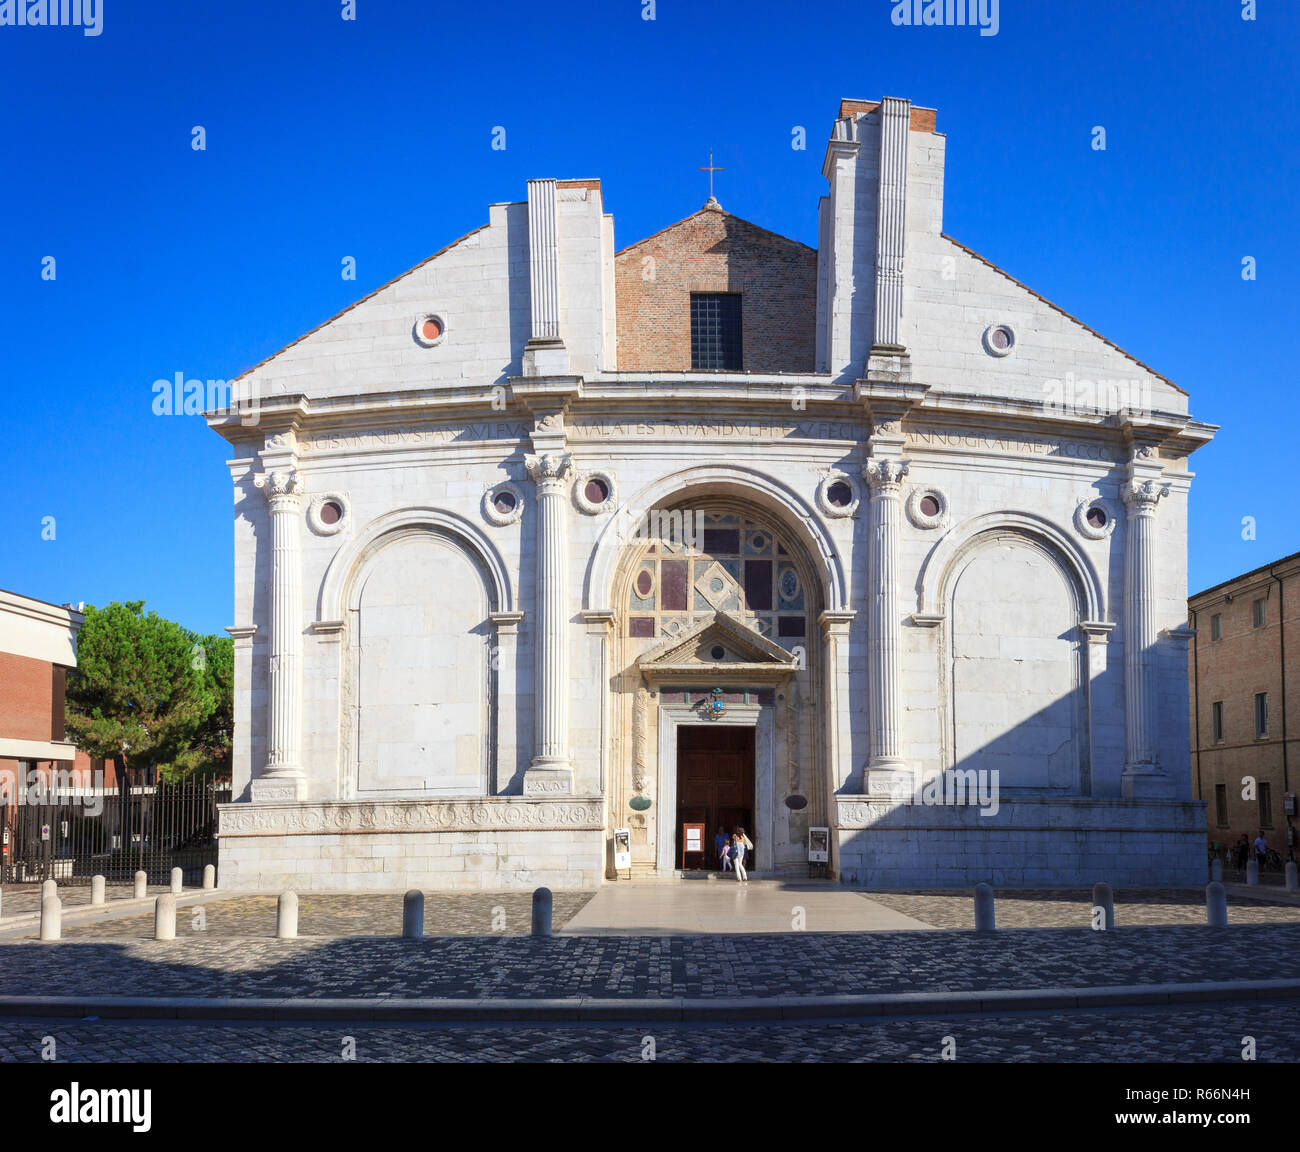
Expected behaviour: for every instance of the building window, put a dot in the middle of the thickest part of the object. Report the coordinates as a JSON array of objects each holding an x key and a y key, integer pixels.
[
  {"x": 1216, "y": 627},
  {"x": 1266, "y": 805},
  {"x": 1257, "y": 610},
  {"x": 1216, "y": 720},
  {"x": 1221, "y": 805},
  {"x": 1261, "y": 715},
  {"x": 715, "y": 331}
]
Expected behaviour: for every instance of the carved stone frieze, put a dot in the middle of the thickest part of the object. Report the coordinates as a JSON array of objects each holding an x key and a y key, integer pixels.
[{"x": 498, "y": 813}]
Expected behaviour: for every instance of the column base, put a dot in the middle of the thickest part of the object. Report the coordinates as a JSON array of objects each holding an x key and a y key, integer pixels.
[
  {"x": 549, "y": 778},
  {"x": 545, "y": 358},
  {"x": 1147, "y": 782},
  {"x": 278, "y": 789},
  {"x": 889, "y": 776}
]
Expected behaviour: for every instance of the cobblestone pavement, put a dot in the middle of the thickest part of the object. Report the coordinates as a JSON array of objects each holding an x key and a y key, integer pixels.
[
  {"x": 19, "y": 899},
  {"x": 640, "y": 966},
  {"x": 1199, "y": 1034},
  {"x": 380, "y": 914},
  {"x": 1033, "y": 908}
]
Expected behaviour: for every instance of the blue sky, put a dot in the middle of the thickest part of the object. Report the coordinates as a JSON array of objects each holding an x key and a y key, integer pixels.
[{"x": 372, "y": 139}]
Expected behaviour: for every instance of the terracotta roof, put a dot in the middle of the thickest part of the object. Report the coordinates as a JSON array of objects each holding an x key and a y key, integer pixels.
[
  {"x": 1063, "y": 312},
  {"x": 700, "y": 212}
]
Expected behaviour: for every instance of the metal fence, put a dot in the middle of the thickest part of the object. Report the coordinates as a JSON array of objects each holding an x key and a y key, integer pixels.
[{"x": 114, "y": 833}]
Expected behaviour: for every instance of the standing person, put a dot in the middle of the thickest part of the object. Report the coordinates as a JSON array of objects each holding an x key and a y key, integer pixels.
[
  {"x": 740, "y": 844},
  {"x": 1261, "y": 850},
  {"x": 721, "y": 844},
  {"x": 1242, "y": 852}
]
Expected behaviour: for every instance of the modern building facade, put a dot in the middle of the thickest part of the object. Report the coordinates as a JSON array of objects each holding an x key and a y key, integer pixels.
[{"x": 546, "y": 539}]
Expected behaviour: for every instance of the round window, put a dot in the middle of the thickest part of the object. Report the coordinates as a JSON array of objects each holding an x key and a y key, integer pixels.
[
  {"x": 1097, "y": 517},
  {"x": 330, "y": 513},
  {"x": 717, "y": 652},
  {"x": 839, "y": 494},
  {"x": 504, "y": 501},
  {"x": 929, "y": 506},
  {"x": 596, "y": 490}
]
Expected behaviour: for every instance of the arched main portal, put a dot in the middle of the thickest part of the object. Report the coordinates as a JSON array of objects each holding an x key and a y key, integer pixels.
[{"x": 717, "y": 673}]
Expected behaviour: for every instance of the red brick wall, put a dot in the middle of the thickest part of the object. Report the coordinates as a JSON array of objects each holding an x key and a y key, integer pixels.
[
  {"x": 31, "y": 698},
  {"x": 714, "y": 251},
  {"x": 1233, "y": 669}
]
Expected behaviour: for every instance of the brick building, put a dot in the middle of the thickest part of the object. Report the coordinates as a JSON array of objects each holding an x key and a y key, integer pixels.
[{"x": 1244, "y": 674}]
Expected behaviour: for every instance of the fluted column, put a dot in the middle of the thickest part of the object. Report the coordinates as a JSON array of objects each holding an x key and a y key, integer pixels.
[
  {"x": 551, "y": 771},
  {"x": 282, "y": 776},
  {"x": 1141, "y": 630},
  {"x": 884, "y": 662}
]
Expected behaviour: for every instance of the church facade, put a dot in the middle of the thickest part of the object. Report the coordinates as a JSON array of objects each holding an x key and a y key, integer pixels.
[{"x": 546, "y": 539}]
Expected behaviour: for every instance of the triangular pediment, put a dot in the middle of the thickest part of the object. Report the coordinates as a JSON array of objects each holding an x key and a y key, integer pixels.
[{"x": 720, "y": 645}]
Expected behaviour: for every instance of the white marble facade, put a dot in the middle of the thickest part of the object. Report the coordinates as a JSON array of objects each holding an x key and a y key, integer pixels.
[{"x": 445, "y": 507}]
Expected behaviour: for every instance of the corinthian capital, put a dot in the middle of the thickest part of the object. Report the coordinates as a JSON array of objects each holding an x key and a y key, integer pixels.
[
  {"x": 884, "y": 473},
  {"x": 1144, "y": 495},
  {"x": 279, "y": 485},
  {"x": 549, "y": 470}
]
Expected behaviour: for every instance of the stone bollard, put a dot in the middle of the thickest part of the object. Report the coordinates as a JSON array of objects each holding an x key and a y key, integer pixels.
[
  {"x": 984, "y": 918},
  {"x": 1292, "y": 881},
  {"x": 141, "y": 885},
  {"x": 1252, "y": 872},
  {"x": 209, "y": 877},
  {"x": 49, "y": 888},
  {"x": 1216, "y": 905},
  {"x": 286, "y": 917},
  {"x": 96, "y": 889},
  {"x": 543, "y": 911},
  {"x": 178, "y": 881},
  {"x": 164, "y": 917},
  {"x": 1216, "y": 870},
  {"x": 413, "y": 915},
  {"x": 1104, "y": 898},
  {"x": 51, "y": 918}
]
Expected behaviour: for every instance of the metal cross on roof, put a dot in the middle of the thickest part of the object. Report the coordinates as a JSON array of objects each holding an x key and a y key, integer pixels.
[{"x": 711, "y": 170}]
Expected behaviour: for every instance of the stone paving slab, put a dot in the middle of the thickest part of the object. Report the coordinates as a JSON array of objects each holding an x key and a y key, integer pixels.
[
  {"x": 25, "y": 899},
  {"x": 510, "y": 967},
  {"x": 1199, "y": 1034},
  {"x": 1034, "y": 908}
]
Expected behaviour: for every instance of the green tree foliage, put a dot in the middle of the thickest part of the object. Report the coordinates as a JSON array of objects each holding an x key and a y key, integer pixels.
[{"x": 148, "y": 693}]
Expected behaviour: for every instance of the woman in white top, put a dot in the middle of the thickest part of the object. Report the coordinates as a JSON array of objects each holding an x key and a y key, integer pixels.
[{"x": 740, "y": 845}]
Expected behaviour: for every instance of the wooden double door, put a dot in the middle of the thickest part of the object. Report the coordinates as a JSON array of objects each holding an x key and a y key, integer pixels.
[{"x": 715, "y": 786}]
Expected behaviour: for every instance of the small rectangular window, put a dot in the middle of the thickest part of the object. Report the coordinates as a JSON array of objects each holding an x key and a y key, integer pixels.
[
  {"x": 1266, "y": 805},
  {"x": 1221, "y": 805},
  {"x": 1216, "y": 627},
  {"x": 1216, "y": 719},
  {"x": 716, "y": 331},
  {"x": 1261, "y": 714},
  {"x": 1257, "y": 613}
]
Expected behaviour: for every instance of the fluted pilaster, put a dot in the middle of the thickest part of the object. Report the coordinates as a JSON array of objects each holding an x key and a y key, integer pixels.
[
  {"x": 884, "y": 662},
  {"x": 282, "y": 776},
  {"x": 551, "y": 770},
  {"x": 1141, "y": 628}
]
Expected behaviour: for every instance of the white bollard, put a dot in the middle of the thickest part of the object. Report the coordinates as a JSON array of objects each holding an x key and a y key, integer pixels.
[
  {"x": 49, "y": 888},
  {"x": 1216, "y": 870},
  {"x": 1216, "y": 905},
  {"x": 1252, "y": 872},
  {"x": 164, "y": 917},
  {"x": 51, "y": 918},
  {"x": 141, "y": 885},
  {"x": 413, "y": 914},
  {"x": 209, "y": 877},
  {"x": 984, "y": 913},
  {"x": 286, "y": 916},
  {"x": 543, "y": 910},
  {"x": 1104, "y": 898},
  {"x": 178, "y": 881},
  {"x": 1292, "y": 882},
  {"x": 96, "y": 889}
]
